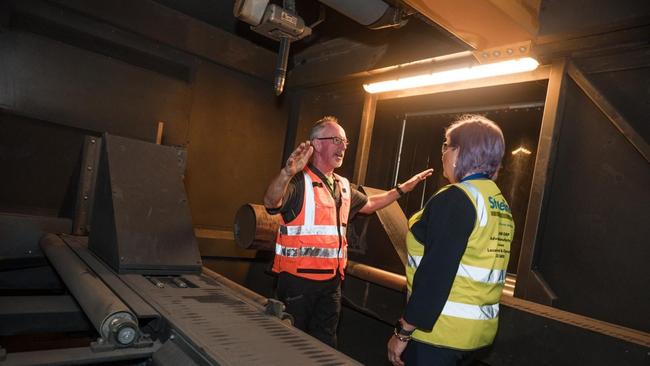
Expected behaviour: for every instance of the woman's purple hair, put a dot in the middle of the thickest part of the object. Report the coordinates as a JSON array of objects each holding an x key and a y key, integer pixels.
[{"x": 480, "y": 145}]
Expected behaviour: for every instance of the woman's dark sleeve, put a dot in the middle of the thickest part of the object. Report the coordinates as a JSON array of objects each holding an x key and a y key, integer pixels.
[{"x": 444, "y": 229}]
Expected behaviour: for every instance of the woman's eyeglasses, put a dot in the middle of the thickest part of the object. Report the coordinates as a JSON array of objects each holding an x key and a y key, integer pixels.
[
  {"x": 335, "y": 140},
  {"x": 446, "y": 146}
]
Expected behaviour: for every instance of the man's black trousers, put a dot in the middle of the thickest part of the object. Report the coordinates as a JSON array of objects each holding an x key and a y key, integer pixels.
[{"x": 314, "y": 305}]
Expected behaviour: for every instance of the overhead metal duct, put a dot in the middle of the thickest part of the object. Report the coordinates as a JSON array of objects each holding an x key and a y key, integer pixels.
[
  {"x": 279, "y": 23},
  {"x": 374, "y": 14}
]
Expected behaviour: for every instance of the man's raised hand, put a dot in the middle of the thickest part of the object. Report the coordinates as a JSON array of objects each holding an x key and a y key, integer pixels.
[{"x": 298, "y": 158}]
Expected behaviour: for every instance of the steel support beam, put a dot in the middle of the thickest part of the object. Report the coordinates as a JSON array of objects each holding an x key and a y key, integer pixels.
[
  {"x": 530, "y": 284},
  {"x": 365, "y": 137},
  {"x": 609, "y": 111}
]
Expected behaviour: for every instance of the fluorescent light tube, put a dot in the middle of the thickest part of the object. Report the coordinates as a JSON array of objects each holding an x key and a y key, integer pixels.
[{"x": 461, "y": 74}]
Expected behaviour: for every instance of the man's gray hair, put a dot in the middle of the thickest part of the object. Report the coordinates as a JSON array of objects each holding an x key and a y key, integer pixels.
[
  {"x": 320, "y": 124},
  {"x": 480, "y": 145}
]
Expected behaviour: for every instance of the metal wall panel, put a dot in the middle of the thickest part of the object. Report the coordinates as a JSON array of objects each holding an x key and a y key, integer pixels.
[
  {"x": 593, "y": 243},
  {"x": 39, "y": 162},
  {"x": 237, "y": 135},
  {"x": 74, "y": 87}
]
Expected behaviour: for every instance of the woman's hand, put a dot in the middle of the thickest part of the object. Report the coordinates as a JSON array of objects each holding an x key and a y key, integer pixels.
[{"x": 395, "y": 349}]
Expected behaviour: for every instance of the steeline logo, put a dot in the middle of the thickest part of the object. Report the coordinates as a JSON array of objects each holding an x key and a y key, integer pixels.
[{"x": 499, "y": 205}]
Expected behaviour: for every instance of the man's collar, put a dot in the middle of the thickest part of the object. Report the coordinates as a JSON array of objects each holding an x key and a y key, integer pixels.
[{"x": 320, "y": 174}]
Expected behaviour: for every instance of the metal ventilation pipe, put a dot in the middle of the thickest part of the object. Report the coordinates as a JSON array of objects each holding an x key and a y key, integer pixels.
[
  {"x": 113, "y": 320},
  {"x": 374, "y": 14},
  {"x": 281, "y": 67}
]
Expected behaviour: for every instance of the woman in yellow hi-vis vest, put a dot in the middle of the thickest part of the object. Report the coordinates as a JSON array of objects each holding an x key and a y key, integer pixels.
[{"x": 458, "y": 250}]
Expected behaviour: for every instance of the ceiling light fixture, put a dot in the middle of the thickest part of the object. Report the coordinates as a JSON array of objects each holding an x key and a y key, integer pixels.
[{"x": 448, "y": 76}]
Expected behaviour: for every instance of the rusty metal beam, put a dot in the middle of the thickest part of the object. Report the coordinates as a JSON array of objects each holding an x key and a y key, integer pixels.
[{"x": 377, "y": 276}]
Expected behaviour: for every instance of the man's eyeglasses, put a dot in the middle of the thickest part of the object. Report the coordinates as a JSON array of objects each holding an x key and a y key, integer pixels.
[
  {"x": 335, "y": 140},
  {"x": 446, "y": 146}
]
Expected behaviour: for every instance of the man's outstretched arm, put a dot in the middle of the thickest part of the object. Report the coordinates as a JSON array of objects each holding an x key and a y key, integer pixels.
[{"x": 379, "y": 201}]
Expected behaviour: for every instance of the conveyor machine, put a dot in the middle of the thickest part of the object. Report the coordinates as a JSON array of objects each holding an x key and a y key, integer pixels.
[{"x": 137, "y": 277}]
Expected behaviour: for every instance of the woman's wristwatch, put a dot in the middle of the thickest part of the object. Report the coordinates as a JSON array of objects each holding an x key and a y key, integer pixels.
[
  {"x": 399, "y": 190},
  {"x": 402, "y": 334}
]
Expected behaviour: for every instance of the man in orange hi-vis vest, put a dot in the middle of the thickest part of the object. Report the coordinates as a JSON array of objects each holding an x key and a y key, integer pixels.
[{"x": 311, "y": 246}]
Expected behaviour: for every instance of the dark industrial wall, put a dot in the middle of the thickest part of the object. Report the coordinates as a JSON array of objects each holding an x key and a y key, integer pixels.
[
  {"x": 64, "y": 75},
  {"x": 60, "y": 83},
  {"x": 54, "y": 93},
  {"x": 40, "y": 164},
  {"x": 594, "y": 243},
  {"x": 237, "y": 136}
]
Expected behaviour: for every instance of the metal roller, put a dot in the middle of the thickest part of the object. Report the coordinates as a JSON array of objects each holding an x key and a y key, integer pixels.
[{"x": 109, "y": 315}]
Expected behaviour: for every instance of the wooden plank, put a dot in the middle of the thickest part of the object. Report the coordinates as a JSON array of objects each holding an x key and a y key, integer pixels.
[
  {"x": 159, "y": 132},
  {"x": 206, "y": 233}
]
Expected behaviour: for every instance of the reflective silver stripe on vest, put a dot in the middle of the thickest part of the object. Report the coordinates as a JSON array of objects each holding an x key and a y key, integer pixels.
[
  {"x": 479, "y": 274},
  {"x": 311, "y": 230},
  {"x": 310, "y": 205},
  {"x": 467, "y": 311},
  {"x": 413, "y": 261},
  {"x": 308, "y": 228},
  {"x": 308, "y": 252},
  {"x": 481, "y": 210}
]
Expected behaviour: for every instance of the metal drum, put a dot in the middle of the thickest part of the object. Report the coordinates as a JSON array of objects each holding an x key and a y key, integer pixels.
[{"x": 254, "y": 228}]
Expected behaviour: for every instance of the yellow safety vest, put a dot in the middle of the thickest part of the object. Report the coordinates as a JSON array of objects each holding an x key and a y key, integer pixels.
[{"x": 469, "y": 319}]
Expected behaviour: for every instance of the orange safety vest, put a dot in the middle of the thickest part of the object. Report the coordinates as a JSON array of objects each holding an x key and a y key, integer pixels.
[{"x": 312, "y": 245}]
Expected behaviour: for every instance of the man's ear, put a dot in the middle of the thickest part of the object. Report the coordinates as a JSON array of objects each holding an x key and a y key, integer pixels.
[{"x": 316, "y": 144}]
